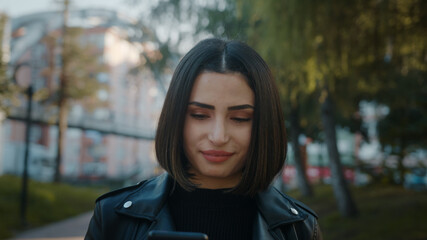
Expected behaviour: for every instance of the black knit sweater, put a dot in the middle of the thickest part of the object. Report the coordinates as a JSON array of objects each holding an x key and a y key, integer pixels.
[{"x": 220, "y": 215}]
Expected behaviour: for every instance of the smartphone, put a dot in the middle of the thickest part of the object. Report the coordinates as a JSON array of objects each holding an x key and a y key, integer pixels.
[{"x": 172, "y": 235}]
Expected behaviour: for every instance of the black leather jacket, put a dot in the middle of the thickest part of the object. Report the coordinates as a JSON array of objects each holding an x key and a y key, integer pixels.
[{"x": 130, "y": 213}]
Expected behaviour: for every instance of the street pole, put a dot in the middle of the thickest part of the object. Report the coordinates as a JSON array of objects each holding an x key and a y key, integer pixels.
[{"x": 28, "y": 122}]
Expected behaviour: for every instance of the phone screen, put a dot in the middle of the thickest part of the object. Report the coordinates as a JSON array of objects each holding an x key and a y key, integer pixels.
[{"x": 172, "y": 235}]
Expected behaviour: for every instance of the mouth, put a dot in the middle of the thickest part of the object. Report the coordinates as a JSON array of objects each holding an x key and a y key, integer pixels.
[{"x": 216, "y": 156}]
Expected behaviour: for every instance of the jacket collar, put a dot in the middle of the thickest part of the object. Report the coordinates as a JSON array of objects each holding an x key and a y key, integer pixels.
[
  {"x": 149, "y": 200},
  {"x": 278, "y": 209}
]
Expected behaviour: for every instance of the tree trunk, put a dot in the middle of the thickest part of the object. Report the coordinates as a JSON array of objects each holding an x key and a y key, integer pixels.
[
  {"x": 346, "y": 204},
  {"x": 62, "y": 129},
  {"x": 400, "y": 167},
  {"x": 295, "y": 131},
  {"x": 62, "y": 105}
]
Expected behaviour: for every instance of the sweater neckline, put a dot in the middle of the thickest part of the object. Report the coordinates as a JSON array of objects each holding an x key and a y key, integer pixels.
[{"x": 211, "y": 198}]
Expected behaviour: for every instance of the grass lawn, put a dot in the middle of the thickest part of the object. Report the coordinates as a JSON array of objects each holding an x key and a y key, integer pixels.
[
  {"x": 385, "y": 212},
  {"x": 47, "y": 202}
]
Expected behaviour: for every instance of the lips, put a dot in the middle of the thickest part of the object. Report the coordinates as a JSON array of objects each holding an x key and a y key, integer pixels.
[{"x": 216, "y": 156}]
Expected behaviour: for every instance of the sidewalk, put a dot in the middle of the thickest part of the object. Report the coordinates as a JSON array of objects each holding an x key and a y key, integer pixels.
[{"x": 69, "y": 229}]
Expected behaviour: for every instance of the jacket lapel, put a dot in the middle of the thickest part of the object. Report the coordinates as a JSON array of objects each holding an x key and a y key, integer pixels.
[
  {"x": 274, "y": 211},
  {"x": 148, "y": 202},
  {"x": 261, "y": 230},
  {"x": 163, "y": 220}
]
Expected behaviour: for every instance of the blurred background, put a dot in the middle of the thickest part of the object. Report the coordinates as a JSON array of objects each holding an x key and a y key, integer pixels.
[{"x": 82, "y": 84}]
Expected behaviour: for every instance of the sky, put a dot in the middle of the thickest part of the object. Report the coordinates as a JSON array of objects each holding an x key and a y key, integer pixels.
[{"x": 15, "y": 8}]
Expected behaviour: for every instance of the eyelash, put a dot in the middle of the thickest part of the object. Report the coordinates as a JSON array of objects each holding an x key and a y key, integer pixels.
[
  {"x": 241, "y": 120},
  {"x": 203, "y": 117},
  {"x": 199, "y": 116}
]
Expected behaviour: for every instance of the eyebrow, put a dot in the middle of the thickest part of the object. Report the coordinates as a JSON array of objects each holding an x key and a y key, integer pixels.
[{"x": 232, "y": 108}]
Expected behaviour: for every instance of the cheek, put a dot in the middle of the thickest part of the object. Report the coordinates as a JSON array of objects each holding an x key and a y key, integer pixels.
[
  {"x": 186, "y": 135},
  {"x": 191, "y": 135},
  {"x": 188, "y": 131},
  {"x": 245, "y": 138}
]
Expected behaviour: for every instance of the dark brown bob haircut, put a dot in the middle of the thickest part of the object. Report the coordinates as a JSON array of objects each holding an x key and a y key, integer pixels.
[{"x": 268, "y": 145}]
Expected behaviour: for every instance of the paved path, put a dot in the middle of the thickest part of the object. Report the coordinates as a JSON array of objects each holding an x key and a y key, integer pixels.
[{"x": 69, "y": 229}]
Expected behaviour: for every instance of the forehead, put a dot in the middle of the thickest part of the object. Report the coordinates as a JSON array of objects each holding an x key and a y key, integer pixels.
[{"x": 227, "y": 88}]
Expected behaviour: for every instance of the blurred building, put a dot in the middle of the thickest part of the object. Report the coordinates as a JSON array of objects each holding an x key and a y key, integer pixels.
[{"x": 111, "y": 135}]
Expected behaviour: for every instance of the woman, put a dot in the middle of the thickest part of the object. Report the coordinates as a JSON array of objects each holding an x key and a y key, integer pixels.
[{"x": 221, "y": 139}]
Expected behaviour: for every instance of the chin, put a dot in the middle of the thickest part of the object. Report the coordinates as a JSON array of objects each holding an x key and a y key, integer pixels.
[{"x": 216, "y": 173}]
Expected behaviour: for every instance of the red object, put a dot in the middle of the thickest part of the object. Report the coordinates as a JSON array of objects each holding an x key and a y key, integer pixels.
[{"x": 315, "y": 174}]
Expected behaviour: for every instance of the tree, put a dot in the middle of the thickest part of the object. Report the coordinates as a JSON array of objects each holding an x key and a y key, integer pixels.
[
  {"x": 349, "y": 51},
  {"x": 309, "y": 59},
  {"x": 404, "y": 77},
  {"x": 7, "y": 89},
  {"x": 77, "y": 79},
  {"x": 295, "y": 132},
  {"x": 393, "y": 66},
  {"x": 279, "y": 33},
  {"x": 404, "y": 129}
]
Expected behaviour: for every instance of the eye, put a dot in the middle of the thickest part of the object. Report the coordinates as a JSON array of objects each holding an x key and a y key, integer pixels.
[
  {"x": 199, "y": 116},
  {"x": 241, "y": 120}
]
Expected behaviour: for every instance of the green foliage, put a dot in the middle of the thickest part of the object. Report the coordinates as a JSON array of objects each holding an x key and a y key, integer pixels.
[
  {"x": 372, "y": 50},
  {"x": 7, "y": 89},
  {"x": 82, "y": 66},
  {"x": 180, "y": 22},
  {"x": 47, "y": 203},
  {"x": 403, "y": 128},
  {"x": 223, "y": 18},
  {"x": 219, "y": 18},
  {"x": 403, "y": 75},
  {"x": 386, "y": 212},
  {"x": 309, "y": 46},
  {"x": 172, "y": 18},
  {"x": 406, "y": 124},
  {"x": 348, "y": 50}
]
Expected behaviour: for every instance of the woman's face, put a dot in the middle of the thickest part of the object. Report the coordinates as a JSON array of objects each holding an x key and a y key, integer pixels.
[{"x": 217, "y": 128}]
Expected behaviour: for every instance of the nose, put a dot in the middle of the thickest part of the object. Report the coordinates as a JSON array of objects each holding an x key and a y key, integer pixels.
[{"x": 218, "y": 134}]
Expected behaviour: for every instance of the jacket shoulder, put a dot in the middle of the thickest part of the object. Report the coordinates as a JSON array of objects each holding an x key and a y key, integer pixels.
[
  {"x": 300, "y": 204},
  {"x": 306, "y": 208},
  {"x": 307, "y": 229},
  {"x": 121, "y": 191}
]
